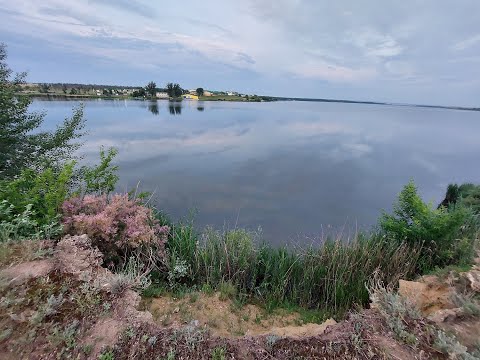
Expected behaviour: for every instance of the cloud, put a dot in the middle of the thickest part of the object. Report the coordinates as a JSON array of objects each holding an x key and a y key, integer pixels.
[
  {"x": 467, "y": 43},
  {"x": 129, "y": 6},
  {"x": 400, "y": 51}
]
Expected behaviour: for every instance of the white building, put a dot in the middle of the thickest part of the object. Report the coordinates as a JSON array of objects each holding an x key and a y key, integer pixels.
[{"x": 162, "y": 95}]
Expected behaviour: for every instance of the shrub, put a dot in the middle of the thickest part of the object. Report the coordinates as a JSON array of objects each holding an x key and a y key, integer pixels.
[
  {"x": 100, "y": 179},
  {"x": 43, "y": 191},
  {"x": 15, "y": 227},
  {"x": 118, "y": 227},
  {"x": 445, "y": 235}
]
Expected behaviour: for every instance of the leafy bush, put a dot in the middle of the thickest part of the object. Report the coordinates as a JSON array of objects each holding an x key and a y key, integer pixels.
[
  {"x": 445, "y": 235},
  {"x": 100, "y": 179},
  {"x": 22, "y": 226},
  {"x": 30, "y": 204},
  {"x": 117, "y": 226}
]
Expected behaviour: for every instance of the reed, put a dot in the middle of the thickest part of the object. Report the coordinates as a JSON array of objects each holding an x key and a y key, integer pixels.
[{"x": 329, "y": 276}]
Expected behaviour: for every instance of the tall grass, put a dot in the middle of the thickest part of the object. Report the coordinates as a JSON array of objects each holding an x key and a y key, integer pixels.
[{"x": 330, "y": 276}]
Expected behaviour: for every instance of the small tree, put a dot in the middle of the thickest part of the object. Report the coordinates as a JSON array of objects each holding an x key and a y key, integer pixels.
[
  {"x": 151, "y": 88},
  {"x": 21, "y": 143},
  {"x": 200, "y": 91},
  {"x": 445, "y": 235}
]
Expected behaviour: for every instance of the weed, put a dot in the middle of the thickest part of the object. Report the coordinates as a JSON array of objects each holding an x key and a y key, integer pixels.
[
  {"x": 154, "y": 291},
  {"x": 87, "y": 349},
  {"x": 227, "y": 291},
  {"x": 5, "y": 334},
  {"x": 219, "y": 353},
  {"x": 130, "y": 332},
  {"x": 469, "y": 306},
  {"x": 271, "y": 340},
  {"x": 106, "y": 355},
  {"x": 191, "y": 335},
  {"x": 448, "y": 345},
  {"x": 396, "y": 310},
  {"x": 170, "y": 355},
  {"x": 207, "y": 289},
  {"x": 193, "y": 297}
]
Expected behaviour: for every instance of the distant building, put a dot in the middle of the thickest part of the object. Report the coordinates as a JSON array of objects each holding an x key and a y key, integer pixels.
[
  {"x": 190, "y": 97},
  {"x": 162, "y": 95},
  {"x": 192, "y": 92},
  {"x": 207, "y": 93}
]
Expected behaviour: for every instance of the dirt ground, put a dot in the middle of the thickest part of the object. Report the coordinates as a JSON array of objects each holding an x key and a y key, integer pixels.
[{"x": 223, "y": 318}]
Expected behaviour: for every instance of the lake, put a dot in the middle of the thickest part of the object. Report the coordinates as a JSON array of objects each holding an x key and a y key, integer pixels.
[{"x": 295, "y": 169}]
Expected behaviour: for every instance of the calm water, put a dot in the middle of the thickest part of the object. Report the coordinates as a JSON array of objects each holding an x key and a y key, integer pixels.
[{"x": 292, "y": 168}]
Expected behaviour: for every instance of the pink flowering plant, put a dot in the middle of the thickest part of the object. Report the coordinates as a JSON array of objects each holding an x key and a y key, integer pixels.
[{"x": 118, "y": 226}]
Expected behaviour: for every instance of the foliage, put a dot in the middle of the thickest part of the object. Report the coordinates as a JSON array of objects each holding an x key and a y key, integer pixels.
[
  {"x": 101, "y": 179},
  {"x": 318, "y": 277},
  {"x": 139, "y": 93},
  {"x": 21, "y": 143},
  {"x": 132, "y": 275},
  {"x": 151, "y": 88},
  {"x": 200, "y": 91},
  {"x": 43, "y": 191},
  {"x": 117, "y": 226},
  {"x": 396, "y": 310},
  {"x": 174, "y": 90},
  {"x": 445, "y": 235},
  {"x": 22, "y": 226}
]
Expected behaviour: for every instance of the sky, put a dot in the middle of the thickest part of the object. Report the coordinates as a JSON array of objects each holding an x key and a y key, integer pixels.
[{"x": 409, "y": 51}]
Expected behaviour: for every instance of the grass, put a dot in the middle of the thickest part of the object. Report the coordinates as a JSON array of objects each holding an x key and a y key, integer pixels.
[{"x": 329, "y": 278}]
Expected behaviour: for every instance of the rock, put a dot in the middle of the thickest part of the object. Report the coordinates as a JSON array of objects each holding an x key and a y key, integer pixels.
[
  {"x": 76, "y": 256},
  {"x": 473, "y": 278},
  {"x": 428, "y": 296},
  {"x": 441, "y": 316},
  {"x": 19, "y": 274}
]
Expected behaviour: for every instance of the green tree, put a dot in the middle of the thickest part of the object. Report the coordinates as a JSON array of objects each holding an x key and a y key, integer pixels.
[
  {"x": 44, "y": 88},
  {"x": 444, "y": 235},
  {"x": 151, "y": 88},
  {"x": 200, "y": 91},
  {"x": 22, "y": 144},
  {"x": 101, "y": 178},
  {"x": 174, "y": 90},
  {"x": 170, "y": 90}
]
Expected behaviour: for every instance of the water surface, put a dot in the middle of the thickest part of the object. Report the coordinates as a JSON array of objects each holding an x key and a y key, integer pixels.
[{"x": 291, "y": 168}]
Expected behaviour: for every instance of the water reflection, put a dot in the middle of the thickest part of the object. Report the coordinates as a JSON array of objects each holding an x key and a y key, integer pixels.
[
  {"x": 200, "y": 106},
  {"x": 153, "y": 108},
  {"x": 175, "y": 108}
]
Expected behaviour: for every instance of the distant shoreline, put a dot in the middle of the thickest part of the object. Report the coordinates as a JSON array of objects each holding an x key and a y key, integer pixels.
[{"x": 238, "y": 99}]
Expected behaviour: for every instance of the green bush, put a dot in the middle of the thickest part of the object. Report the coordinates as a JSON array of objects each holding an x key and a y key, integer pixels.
[
  {"x": 102, "y": 178},
  {"x": 43, "y": 191},
  {"x": 445, "y": 235},
  {"x": 22, "y": 226}
]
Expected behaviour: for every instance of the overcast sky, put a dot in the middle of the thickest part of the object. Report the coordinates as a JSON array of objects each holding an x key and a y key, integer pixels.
[{"x": 415, "y": 51}]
